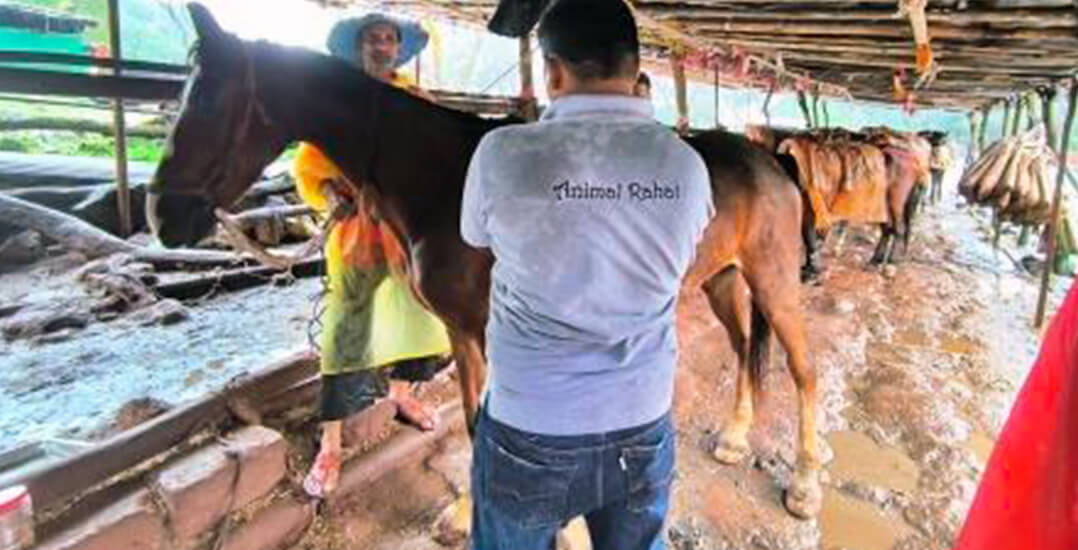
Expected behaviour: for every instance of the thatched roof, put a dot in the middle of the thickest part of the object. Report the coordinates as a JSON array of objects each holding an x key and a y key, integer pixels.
[{"x": 984, "y": 50}]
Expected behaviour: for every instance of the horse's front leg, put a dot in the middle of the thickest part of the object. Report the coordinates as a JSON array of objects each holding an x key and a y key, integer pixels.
[{"x": 471, "y": 370}]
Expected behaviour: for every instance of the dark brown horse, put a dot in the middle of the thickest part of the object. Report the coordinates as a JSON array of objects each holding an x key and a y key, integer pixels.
[{"x": 246, "y": 101}]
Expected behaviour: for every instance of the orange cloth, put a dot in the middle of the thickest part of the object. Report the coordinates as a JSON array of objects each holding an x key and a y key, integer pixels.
[{"x": 844, "y": 181}]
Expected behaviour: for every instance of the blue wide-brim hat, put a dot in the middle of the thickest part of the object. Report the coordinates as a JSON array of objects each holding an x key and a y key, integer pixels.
[{"x": 342, "y": 39}]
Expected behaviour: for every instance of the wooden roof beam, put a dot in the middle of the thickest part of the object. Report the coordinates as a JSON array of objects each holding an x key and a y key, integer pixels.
[
  {"x": 1038, "y": 19},
  {"x": 895, "y": 29},
  {"x": 967, "y": 65},
  {"x": 897, "y": 48}
]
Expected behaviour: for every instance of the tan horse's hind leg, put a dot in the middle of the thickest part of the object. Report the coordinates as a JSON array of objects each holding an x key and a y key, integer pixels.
[
  {"x": 777, "y": 294},
  {"x": 728, "y": 294},
  {"x": 455, "y": 522}
]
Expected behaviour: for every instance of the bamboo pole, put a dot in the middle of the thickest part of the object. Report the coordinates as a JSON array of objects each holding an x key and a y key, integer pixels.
[
  {"x": 1031, "y": 110},
  {"x": 767, "y": 102},
  {"x": 803, "y": 103},
  {"x": 123, "y": 190},
  {"x": 718, "y": 82},
  {"x": 983, "y": 130},
  {"x": 1019, "y": 111},
  {"x": 528, "y": 108},
  {"x": 1053, "y": 222},
  {"x": 975, "y": 121},
  {"x": 677, "y": 67},
  {"x": 1048, "y": 97},
  {"x": 815, "y": 109},
  {"x": 1008, "y": 109}
]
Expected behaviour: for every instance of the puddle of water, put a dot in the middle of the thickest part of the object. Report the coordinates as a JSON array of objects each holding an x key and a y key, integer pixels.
[
  {"x": 847, "y": 523},
  {"x": 980, "y": 445},
  {"x": 859, "y": 458}
]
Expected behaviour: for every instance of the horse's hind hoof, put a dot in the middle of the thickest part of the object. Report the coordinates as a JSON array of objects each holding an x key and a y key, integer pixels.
[
  {"x": 730, "y": 453},
  {"x": 804, "y": 498},
  {"x": 809, "y": 275}
]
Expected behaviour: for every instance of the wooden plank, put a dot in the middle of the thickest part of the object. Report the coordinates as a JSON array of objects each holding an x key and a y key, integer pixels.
[
  {"x": 21, "y": 56},
  {"x": 33, "y": 81},
  {"x": 55, "y": 483},
  {"x": 207, "y": 284}
]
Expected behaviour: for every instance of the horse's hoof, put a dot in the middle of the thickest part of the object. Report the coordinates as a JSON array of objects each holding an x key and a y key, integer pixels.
[
  {"x": 455, "y": 523},
  {"x": 809, "y": 274},
  {"x": 729, "y": 452},
  {"x": 804, "y": 498}
]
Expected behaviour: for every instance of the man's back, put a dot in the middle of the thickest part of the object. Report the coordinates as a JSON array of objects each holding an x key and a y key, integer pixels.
[{"x": 593, "y": 215}]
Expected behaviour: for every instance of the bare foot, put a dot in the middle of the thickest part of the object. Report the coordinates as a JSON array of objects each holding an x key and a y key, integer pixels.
[
  {"x": 324, "y": 475},
  {"x": 412, "y": 411}
]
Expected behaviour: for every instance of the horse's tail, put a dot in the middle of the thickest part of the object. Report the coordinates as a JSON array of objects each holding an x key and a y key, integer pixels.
[
  {"x": 909, "y": 212},
  {"x": 759, "y": 350}
]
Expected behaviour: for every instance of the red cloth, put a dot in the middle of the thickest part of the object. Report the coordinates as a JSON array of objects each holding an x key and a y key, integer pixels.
[{"x": 1028, "y": 497}]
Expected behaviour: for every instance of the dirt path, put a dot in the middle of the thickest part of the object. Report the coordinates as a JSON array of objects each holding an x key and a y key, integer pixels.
[{"x": 917, "y": 370}]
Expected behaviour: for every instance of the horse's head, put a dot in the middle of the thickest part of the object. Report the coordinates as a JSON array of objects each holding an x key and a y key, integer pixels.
[{"x": 221, "y": 142}]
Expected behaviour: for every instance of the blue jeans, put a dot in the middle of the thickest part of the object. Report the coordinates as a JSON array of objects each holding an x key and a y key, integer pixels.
[{"x": 528, "y": 486}]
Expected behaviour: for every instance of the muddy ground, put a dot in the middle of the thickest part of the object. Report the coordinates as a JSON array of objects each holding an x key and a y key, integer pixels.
[{"x": 917, "y": 371}]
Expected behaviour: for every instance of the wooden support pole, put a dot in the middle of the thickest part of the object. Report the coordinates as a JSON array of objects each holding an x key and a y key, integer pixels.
[
  {"x": 1048, "y": 112},
  {"x": 677, "y": 67},
  {"x": 1031, "y": 110},
  {"x": 1008, "y": 109},
  {"x": 718, "y": 83},
  {"x": 982, "y": 132},
  {"x": 767, "y": 102},
  {"x": 815, "y": 109},
  {"x": 528, "y": 108},
  {"x": 802, "y": 102},
  {"x": 1053, "y": 221},
  {"x": 1019, "y": 114},
  {"x": 123, "y": 191},
  {"x": 976, "y": 119}
]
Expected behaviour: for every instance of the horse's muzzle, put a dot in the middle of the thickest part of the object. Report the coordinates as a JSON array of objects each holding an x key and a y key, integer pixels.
[{"x": 179, "y": 220}]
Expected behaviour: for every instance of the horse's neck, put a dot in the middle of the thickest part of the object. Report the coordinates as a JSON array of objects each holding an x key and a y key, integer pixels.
[
  {"x": 319, "y": 101},
  {"x": 360, "y": 124}
]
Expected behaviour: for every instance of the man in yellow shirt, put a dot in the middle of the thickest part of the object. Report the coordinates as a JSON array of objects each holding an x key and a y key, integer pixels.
[{"x": 372, "y": 326}]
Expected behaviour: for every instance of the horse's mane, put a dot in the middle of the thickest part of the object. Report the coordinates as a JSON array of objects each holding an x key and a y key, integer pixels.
[{"x": 354, "y": 81}]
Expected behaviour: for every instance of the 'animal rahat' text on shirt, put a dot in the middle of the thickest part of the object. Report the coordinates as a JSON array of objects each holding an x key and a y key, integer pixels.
[{"x": 636, "y": 191}]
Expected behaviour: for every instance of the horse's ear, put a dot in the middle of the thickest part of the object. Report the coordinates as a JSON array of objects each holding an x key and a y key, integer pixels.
[{"x": 205, "y": 25}]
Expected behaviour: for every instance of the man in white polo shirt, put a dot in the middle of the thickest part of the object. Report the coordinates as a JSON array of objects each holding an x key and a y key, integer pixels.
[{"x": 592, "y": 215}]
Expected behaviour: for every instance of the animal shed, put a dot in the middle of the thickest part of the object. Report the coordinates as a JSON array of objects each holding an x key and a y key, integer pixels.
[{"x": 983, "y": 51}]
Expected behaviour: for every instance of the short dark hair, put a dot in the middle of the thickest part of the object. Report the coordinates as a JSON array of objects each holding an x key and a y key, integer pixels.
[
  {"x": 644, "y": 79},
  {"x": 597, "y": 39}
]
